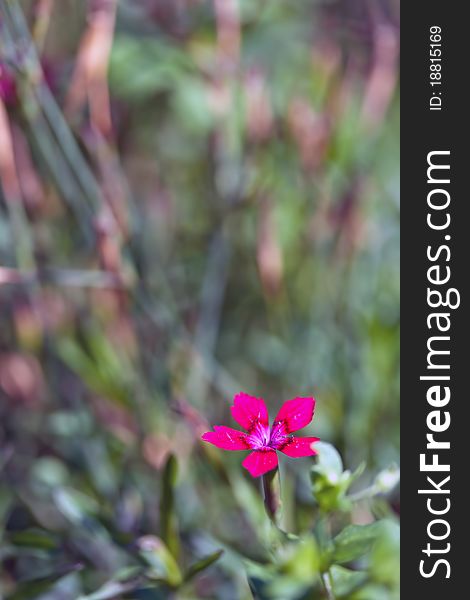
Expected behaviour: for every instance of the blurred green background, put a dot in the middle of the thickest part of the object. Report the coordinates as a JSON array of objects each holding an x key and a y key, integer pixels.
[{"x": 198, "y": 198}]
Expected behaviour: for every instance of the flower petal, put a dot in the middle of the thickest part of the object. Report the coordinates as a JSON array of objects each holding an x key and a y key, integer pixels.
[
  {"x": 227, "y": 438},
  {"x": 248, "y": 411},
  {"x": 298, "y": 446},
  {"x": 260, "y": 462},
  {"x": 294, "y": 414}
]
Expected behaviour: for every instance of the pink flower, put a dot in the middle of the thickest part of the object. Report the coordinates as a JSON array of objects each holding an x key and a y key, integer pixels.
[{"x": 251, "y": 413}]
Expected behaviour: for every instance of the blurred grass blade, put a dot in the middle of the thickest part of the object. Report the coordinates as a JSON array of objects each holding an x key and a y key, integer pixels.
[
  {"x": 202, "y": 565},
  {"x": 34, "y": 538},
  {"x": 113, "y": 589},
  {"x": 163, "y": 566},
  {"x": 169, "y": 530}
]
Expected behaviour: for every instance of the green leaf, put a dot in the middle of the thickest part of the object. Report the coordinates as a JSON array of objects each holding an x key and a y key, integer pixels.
[
  {"x": 330, "y": 496},
  {"x": 354, "y": 541},
  {"x": 163, "y": 567},
  {"x": 385, "y": 555},
  {"x": 27, "y": 591},
  {"x": 74, "y": 505},
  {"x": 112, "y": 589},
  {"x": 202, "y": 564},
  {"x": 34, "y": 538},
  {"x": 63, "y": 582},
  {"x": 101, "y": 367},
  {"x": 376, "y": 592},
  {"x": 328, "y": 461},
  {"x": 50, "y": 471},
  {"x": 329, "y": 482},
  {"x": 346, "y": 581},
  {"x": 191, "y": 106},
  {"x": 303, "y": 560},
  {"x": 142, "y": 67}
]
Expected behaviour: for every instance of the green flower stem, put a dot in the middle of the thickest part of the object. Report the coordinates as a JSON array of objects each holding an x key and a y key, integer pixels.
[
  {"x": 272, "y": 495},
  {"x": 369, "y": 492}
]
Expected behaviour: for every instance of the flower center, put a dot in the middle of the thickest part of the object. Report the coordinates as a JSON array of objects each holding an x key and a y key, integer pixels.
[
  {"x": 260, "y": 436},
  {"x": 277, "y": 436}
]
